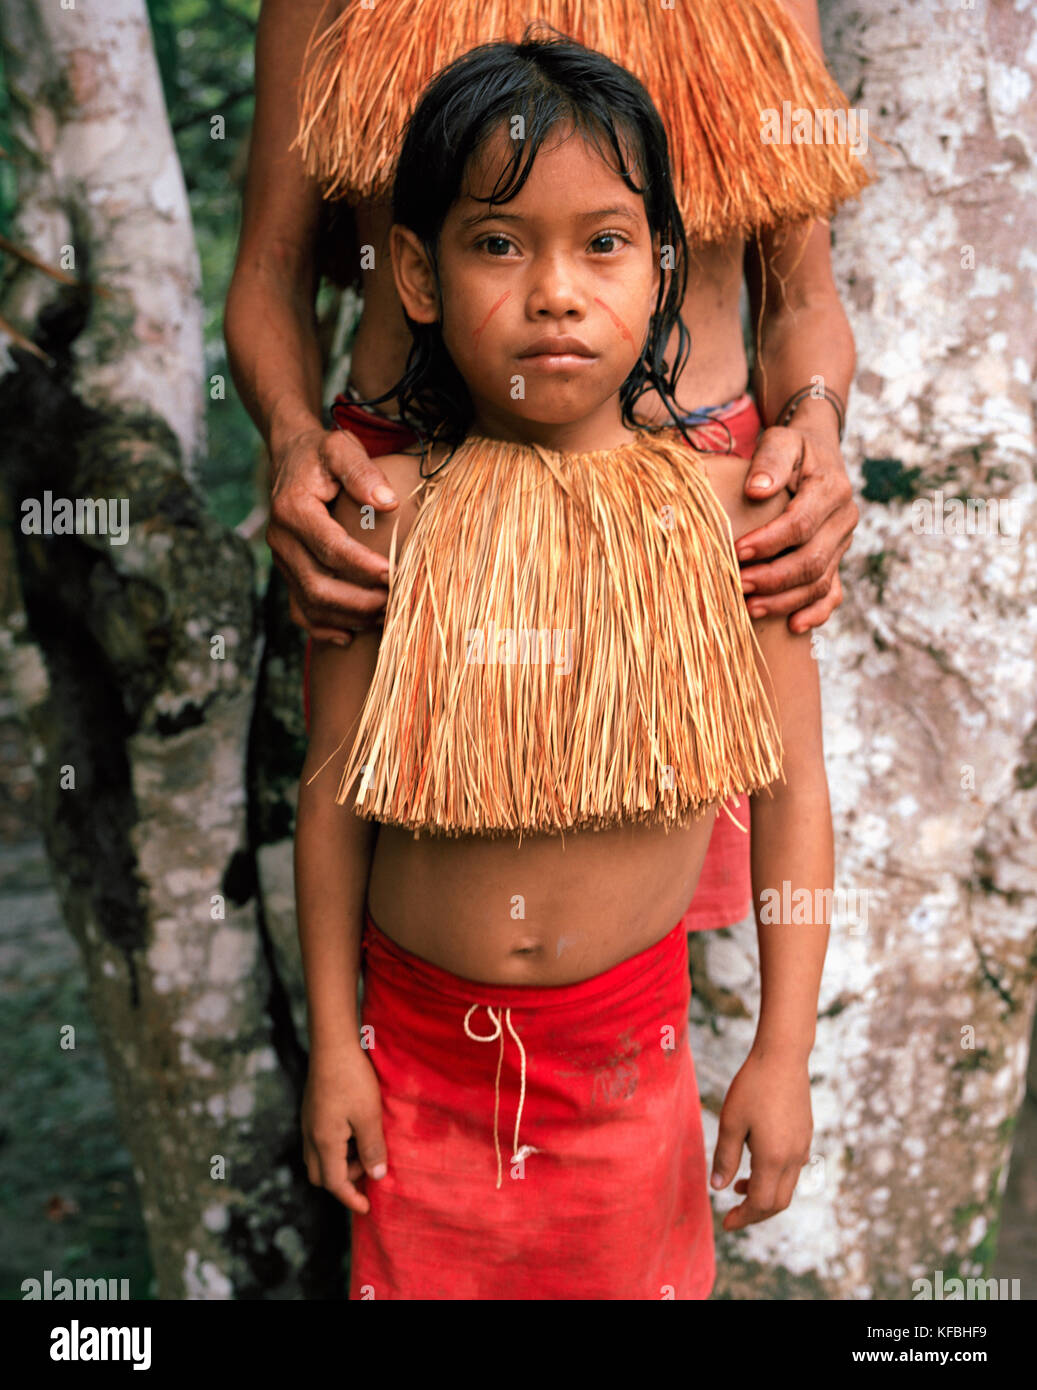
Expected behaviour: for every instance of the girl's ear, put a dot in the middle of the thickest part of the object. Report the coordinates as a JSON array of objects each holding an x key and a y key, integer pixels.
[{"x": 414, "y": 276}]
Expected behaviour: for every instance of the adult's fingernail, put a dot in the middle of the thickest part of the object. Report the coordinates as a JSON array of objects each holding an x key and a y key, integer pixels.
[
  {"x": 717, "y": 1179},
  {"x": 745, "y": 552},
  {"x": 748, "y": 587},
  {"x": 756, "y": 610},
  {"x": 342, "y": 640},
  {"x": 384, "y": 495},
  {"x": 761, "y": 480},
  {"x": 379, "y": 1170}
]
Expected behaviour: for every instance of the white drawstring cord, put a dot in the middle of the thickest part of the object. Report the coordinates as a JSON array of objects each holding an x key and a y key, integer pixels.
[
  {"x": 737, "y": 824},
  {"x": 517, "y": 1153}
]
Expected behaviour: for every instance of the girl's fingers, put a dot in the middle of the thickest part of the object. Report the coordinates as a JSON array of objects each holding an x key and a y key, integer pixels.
[
  {"x": 759, "y": 1189},
  {"x": 329, "y": 1165},
  {"x": 767, "y": 1191},
  {"x": 787, "y": 1185},
  {"x": 728, "y": 1152},
  {"x": 335, "y": 1175},
  {"x": 762, "y": 1192}
]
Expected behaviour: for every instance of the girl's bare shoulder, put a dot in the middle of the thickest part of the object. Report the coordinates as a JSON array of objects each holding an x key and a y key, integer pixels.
[
  {"x": 727, "y": 474},
  {"x": 375, "y": 528}
]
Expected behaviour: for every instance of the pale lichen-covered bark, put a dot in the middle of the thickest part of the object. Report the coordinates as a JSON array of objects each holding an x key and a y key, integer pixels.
[
  {"x": 136, "y": 664},
  {"x": 929, "y": 684}
]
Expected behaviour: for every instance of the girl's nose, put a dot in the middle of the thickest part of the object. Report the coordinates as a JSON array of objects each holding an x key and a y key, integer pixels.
[{"x": 555, "y": 291}]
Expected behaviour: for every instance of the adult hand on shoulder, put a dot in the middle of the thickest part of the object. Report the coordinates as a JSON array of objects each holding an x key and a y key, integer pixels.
[
  {"x": 816, "y": 528},
  {"x": 336, "y": 585}
]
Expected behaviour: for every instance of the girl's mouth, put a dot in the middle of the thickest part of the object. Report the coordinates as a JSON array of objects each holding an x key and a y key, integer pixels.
[
  {"x": 559, "y": 361},
  {"x": 558, "y": 354}
]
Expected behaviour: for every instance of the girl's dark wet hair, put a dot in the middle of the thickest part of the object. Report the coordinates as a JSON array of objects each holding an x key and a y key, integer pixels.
[{"x": 548, "y": 81}]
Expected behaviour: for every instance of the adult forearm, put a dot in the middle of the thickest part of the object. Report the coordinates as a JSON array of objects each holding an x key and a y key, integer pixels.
[
  {"x": 274, "y": 356},
  {"x": 800, "y": 342}
]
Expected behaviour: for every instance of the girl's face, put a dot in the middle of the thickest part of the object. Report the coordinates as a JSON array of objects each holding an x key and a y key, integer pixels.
[{"x": 547, "y": 298}]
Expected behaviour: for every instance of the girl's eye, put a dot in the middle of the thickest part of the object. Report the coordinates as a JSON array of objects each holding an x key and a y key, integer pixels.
[
  {"x": 495, "y": 245},
  {"x": 613, "y": 239}
]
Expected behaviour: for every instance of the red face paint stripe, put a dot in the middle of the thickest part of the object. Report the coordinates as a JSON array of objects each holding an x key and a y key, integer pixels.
[
  {"x": 506, "y": 295},
  {"x": 616, "y": 320}
]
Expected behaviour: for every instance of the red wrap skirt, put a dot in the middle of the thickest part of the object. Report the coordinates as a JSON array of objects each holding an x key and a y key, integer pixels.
[
  {"x": 543, "y": 1142},
  {"x": 724, "y": 891}
]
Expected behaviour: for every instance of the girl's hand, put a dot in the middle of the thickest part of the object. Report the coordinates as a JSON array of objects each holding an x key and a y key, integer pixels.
[
  {"x": 342, "y": 1125},
  {"x": 767, "y": 1106}
]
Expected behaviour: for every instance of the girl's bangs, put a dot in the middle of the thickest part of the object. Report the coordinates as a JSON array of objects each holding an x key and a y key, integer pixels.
[{"x": 597, "y": 129}]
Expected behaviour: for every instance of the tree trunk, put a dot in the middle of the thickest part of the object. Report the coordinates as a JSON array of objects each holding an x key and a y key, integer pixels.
[
  {"x": 928, "y": 682},
  {"x": 135, "y": 659}
]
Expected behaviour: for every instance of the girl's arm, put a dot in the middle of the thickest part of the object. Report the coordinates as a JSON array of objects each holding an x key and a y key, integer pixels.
[
  {"x": 333, "y": 852},
  {"x": 768, "y": 1103},
  {"x": 792, "y": 853},
  {"x": 333, "y": 846}
]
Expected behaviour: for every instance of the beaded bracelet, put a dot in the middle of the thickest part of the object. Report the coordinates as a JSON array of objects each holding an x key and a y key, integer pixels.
[{"x": 787, "y": 411}]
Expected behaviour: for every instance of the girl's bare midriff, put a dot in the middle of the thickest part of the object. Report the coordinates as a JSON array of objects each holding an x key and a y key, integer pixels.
[
  {"x": 717, "y": 369},
  {"x": 549, "y": 912}
]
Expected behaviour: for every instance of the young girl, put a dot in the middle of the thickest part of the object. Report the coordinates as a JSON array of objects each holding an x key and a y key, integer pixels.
[{"x": 566, "y": 687}]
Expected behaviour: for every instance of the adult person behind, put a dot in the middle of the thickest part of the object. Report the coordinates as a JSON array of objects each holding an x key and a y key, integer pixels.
[{"x": 290, "y": 233}]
